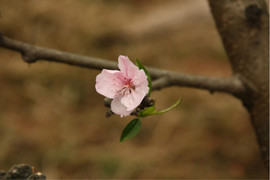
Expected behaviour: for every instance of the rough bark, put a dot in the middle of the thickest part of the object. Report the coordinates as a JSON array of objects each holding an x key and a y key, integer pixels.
[
  {"x": 243, "y": 26},
  {"x": 22, "y": 171}
]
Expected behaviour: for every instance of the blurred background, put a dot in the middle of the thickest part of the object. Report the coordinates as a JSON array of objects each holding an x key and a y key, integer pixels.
[{"x": 52, "y": 118}]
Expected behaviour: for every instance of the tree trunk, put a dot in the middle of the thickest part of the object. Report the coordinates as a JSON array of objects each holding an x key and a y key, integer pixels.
[{"x": 243, "y": 26}]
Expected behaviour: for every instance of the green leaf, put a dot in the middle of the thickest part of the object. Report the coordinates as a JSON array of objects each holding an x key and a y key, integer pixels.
[
  {"x": 131, "y": 130},
  {"x": 147, "y": 111},
  {"x": 140, "y": 66}
]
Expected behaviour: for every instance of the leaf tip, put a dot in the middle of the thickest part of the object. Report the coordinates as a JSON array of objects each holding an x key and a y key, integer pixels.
[{"x": 131, "y": 130}]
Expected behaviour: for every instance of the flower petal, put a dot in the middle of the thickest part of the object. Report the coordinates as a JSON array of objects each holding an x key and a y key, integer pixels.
[
  {"x": 127, "y": 67},
  {"x": 133, "y": 99},
  {"x": 140, "y": 79},
  {"x": 118, "y": 108},
  {"x": 109, "y": 82}
]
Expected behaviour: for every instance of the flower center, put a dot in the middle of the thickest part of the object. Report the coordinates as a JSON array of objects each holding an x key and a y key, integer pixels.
[
  {"x": 129, "y": 85},
  {"x": 127, "y": 88}
]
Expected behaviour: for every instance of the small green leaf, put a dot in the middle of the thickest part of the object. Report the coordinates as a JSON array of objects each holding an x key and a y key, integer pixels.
[
  {"x": 147, "y": 111},
  {"x": 131, "y": 130},
  {"x": 140, "y": 66}
]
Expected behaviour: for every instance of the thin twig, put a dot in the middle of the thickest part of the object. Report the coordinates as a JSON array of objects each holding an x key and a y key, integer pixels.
[
  {"x": 31, "y": 53},
  {"x": 161, "y": 83}
]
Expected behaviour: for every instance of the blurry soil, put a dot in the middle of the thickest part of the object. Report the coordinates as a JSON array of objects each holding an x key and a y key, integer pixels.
[{"x": 52, "y": 118}]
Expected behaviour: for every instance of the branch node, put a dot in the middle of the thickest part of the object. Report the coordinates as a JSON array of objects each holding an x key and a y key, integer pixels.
[
  {"x": 253, "y": 14},
  {"x": 29, "y": 57},
  {"x": 249, "y": 86},
  {"x": 211, "y": 91}
]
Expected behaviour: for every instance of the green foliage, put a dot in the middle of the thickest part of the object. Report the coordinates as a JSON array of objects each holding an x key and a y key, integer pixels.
[
  {"x": 147, "y": 111},
  {"x": 131, "y": 130}
]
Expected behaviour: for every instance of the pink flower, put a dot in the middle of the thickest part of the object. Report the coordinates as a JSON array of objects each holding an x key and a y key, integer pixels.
[{"x": 126, "y": 87}]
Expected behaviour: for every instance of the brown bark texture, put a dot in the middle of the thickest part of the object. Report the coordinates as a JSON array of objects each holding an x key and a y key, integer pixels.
[
  {"x": 22, "y": 171},
  {"x": 244, "y": 29}
]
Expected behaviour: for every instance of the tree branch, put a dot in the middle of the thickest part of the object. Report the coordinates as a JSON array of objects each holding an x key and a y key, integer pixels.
[
  {"x": 31, "y": 53},
  {"x": 244, "y": 29}
]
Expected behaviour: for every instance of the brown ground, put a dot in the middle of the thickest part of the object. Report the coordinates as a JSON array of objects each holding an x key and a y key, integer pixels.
[{"x": 52, "y": 118}]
